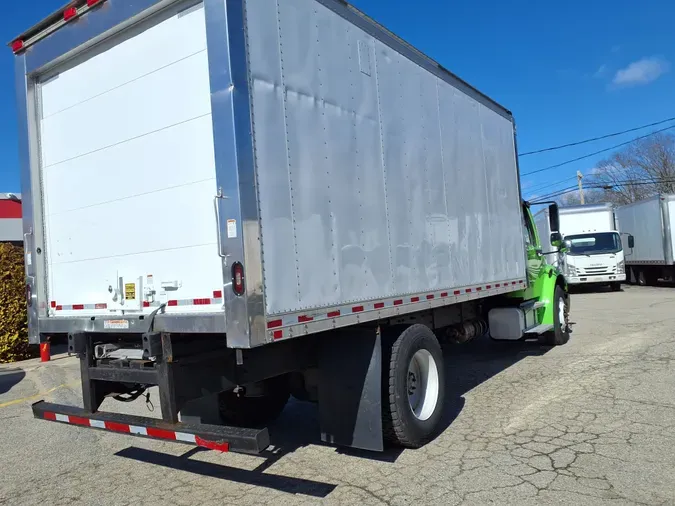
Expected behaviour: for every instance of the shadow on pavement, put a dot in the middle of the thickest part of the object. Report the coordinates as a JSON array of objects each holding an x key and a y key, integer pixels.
[
  {"x": 467, "y": 366},
  {"x": 255, "y": 477},
  {"x": 9, "y": 378}
]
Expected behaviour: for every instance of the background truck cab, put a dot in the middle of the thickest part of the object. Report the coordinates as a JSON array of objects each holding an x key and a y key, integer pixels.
[{"x": 594, "y": 253}]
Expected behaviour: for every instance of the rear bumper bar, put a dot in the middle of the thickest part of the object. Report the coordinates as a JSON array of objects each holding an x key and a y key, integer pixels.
[{"x": 213, "y": 437}]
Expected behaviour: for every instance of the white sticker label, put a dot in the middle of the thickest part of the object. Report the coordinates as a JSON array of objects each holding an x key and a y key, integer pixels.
[
  {"x": 231, "y": 229},
  {"x": 116, "y": 324},
  {"x": 29, "y": 259}
]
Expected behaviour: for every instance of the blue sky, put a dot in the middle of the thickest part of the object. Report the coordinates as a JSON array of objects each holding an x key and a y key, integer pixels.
[{"x": 567, "y": 70}]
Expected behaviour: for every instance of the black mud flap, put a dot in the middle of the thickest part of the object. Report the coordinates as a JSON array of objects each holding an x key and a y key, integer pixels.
[{"x": 350, "y": 391}]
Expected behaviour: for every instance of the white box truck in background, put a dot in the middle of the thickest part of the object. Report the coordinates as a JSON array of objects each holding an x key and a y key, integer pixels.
[
  {"x": 649, "y": 222},
  {"x": 238, "y": 201},
  {"x": 594, "y": 252}
]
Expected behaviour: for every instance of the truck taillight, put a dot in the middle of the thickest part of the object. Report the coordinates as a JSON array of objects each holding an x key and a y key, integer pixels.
[
  {"x": 29, "y": 295},
  {"x": 238, "y": 278},
  {"x": 17, "y": 45}
]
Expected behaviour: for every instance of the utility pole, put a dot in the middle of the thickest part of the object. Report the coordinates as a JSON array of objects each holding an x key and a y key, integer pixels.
[{"x": 580, "y": 176}]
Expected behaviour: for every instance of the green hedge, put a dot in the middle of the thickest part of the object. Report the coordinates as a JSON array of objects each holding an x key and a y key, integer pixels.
[{"x": 13, "y": 317}]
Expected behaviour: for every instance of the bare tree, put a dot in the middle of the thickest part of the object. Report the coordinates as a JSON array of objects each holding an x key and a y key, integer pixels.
[{"x": 640, "y": 170}]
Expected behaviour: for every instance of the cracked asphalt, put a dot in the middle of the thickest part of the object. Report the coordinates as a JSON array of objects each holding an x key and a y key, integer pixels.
[{"x": 592, "y": 422}]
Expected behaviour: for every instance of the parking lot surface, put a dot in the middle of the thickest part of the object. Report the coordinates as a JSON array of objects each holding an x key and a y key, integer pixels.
[{"x": 591, "y": 422}]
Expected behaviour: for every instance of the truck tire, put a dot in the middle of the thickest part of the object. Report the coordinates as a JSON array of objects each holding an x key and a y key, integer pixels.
[
  {"x": 560, "y": 333},
  {"x": 616, "y": 287},
  {"x": 254, "y": 411},
  {"x": 413, "y": 387}
]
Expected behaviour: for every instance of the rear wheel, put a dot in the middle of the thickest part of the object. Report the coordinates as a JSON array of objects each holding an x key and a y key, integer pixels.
[
  {"x": 258, "y": 408},
  {"x": 413, "y": 387},
  {"x": 560, "y": 333}
]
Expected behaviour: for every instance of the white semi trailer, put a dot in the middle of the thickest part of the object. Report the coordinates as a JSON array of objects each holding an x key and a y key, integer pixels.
[
  {"x": 237, "y": 201},
  {"x": 650, "y": 258}
]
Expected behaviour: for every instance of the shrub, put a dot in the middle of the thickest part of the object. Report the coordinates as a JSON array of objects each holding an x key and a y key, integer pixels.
[{"x": 13, "y": 316}]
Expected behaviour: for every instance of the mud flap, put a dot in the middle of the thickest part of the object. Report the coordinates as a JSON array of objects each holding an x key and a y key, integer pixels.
[{"x": 350, "y": 391}]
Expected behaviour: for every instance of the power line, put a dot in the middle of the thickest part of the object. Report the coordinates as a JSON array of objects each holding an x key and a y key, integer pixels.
[
  {"x": 585, "y": 141},
  {"x": 601, "y": 186},
  {"x": 542, "y": 186},
  {"x": 606, "y": 185},
  {"x": 598, "y": 152}
]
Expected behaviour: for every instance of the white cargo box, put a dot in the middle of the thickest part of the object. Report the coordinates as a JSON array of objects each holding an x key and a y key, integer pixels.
[
  {"x": 352, "y": 177},
  {"x": 649, "y": 222}
]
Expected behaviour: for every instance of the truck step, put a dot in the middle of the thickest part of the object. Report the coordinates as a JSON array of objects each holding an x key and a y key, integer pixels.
[
  {"x": 532, "y": 304},
  {"x": 212, "y": 437},
  {"x": 540, "y": 329}
]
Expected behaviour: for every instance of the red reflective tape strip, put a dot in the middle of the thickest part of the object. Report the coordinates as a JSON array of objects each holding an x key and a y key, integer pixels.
[
  {"x": 47, "y": 415},
  {"x": 274, "y": 324},
  {"x": 59, "y": 308},
  {"x": 78, "y": 307},
  {"x": 212, "y": 445},
  {"x": 444, "y": 294},
  {"x": 379, "y": 305},
  {"x": 146, "y": 303},
  {"x": 161, "y": 433},
  {"x": 513, "y": 282},
  {"x": 53, "y": 304},
  {"x": 489, "y": 287},
  {"x": 201, "y": 302},
  {"x": 333, "y": 314},
  {"x": 78, "y": 420},
  {"x": 69, "y": 13},
  {"x": 414, "y": 299},
  {"x": 457, "y": 292},
  {"x": 101, "y": 306},
  {"x": 303, "y": 319},
  {"x": 357, "y": 309},
  {"x": 10, "y": 209},
  {"x": 398, "y": 302},
  {"x": 468, "y": 290},
  {"x": 217, "y": 294},
  {"x": 478, "y": 289},
  {"x": 498, "y": 285},
  {"x": 278, "y": 334},
  {"x": 172, "y": 303},
  {"x": 117, "y": 427},
  {"x": 430, "y": 296}
]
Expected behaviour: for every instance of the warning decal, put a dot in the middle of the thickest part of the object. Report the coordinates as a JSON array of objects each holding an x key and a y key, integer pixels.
[{"x": 130, "y": 291}]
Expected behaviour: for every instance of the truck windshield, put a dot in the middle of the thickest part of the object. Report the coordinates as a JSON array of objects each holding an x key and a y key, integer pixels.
[{"x": 594, "y": 244}]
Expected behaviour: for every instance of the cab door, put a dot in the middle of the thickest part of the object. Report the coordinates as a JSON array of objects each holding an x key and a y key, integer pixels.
[{"x": 535, "y": 258}]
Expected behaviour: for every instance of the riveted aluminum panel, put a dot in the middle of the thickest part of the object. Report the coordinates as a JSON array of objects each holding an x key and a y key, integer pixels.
[{"x": 376, "y": 176}]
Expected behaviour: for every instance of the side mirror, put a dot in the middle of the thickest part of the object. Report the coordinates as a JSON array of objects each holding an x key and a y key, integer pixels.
[
  {"x": 631, "y": 241},
  {"x": 554, "y": 217},
  {"x": 556, "y": 239}
]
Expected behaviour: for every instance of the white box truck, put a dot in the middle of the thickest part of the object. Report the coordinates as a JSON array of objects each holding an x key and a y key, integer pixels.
[
  {"x": 238, "y": 201},
  {"x": 650, "y": 257},
  {"x": 593, "y": 249}
]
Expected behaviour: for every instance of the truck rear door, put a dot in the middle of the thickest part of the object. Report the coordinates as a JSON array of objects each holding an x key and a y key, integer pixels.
[{"x": 128, "y": 173}]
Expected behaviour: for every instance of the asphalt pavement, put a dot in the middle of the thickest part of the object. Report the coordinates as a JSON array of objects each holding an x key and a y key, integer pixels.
[{"x": 591, "y": 422}]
